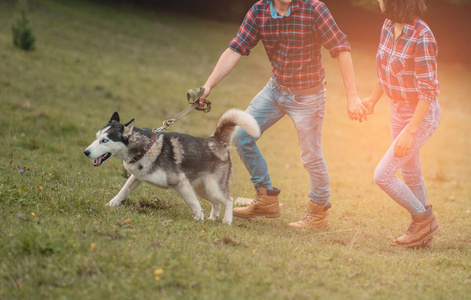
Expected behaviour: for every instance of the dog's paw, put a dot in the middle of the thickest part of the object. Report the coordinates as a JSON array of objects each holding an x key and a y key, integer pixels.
[
  {"x": 227, "y": 221},
  {"x": 113, "y": 203},
  {"x": 199, "y": 217},
  {"x": 213, "y": 217}
]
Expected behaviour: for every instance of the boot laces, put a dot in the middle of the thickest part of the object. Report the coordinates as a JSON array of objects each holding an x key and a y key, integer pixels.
[
  {"x": 310, "y": 215},
  {"x": 258, "y": 197},
  {"x": 412, "y": 227}
]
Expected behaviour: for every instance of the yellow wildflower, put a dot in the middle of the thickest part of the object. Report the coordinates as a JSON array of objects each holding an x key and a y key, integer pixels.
[{"x": 158, "y": 271}]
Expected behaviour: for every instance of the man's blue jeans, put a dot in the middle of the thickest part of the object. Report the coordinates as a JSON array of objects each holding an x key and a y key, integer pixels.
[{"x": 307, "y": 113}]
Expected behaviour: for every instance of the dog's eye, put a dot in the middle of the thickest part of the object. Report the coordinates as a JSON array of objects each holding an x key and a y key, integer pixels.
[{"x": 104, "y": 141}]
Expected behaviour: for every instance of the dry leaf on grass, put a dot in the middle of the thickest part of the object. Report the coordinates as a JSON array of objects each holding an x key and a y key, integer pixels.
[{"x": 124, "y": 222}]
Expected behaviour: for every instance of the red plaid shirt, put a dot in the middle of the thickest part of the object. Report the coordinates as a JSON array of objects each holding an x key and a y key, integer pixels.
[
  {"x": 407, "y": 68},
  {"x": 293, "y": 42}
]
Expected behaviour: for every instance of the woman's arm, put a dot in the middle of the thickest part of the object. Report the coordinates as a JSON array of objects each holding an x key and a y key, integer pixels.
[
  {"x": 371, "y": 101},
  {"x": 404, "y": 141}
]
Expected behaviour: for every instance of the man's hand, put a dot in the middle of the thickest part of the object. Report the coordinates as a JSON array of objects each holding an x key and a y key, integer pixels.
[
  {"x": 197, "y": 95},
  {"x": 356, "y": 110},
  {"x": 207, "y": 91}
]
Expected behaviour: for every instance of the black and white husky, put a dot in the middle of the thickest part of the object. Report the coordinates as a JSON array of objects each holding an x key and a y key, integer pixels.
[{"x": 190, "y": 165}]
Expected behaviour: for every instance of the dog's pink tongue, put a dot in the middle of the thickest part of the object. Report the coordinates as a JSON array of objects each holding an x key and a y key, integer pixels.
[{"x": 97, "y": 162}]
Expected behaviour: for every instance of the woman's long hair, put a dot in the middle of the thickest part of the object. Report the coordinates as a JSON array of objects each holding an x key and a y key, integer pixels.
[{"x": 404, "y": 11}]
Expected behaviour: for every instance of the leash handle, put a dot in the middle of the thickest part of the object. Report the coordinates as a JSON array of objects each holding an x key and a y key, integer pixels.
[
  {"x": 206, "y": 108},
  {"x": 194, "y": 95}
]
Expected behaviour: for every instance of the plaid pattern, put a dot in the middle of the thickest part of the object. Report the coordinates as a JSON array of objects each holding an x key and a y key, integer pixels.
[
  {"x": 292, "y": 43},
  {"x": 407, "y": 68}
]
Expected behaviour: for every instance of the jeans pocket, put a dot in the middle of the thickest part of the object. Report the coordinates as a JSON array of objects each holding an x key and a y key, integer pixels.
[{"x": 311, "y": 103}]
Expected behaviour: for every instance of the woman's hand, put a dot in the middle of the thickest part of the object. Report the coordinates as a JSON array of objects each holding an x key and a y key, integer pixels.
[
  {"x": 403, "y": 144},
  {"x": 355, "y": 109},
  {"x": 369, "y": 104}
]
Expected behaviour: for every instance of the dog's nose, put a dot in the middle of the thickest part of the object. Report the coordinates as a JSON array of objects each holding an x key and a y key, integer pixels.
[{"x": 87, "y": 153}]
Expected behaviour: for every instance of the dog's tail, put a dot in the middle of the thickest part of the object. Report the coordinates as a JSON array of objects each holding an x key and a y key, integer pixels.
[{"x": 235, "y": 117}]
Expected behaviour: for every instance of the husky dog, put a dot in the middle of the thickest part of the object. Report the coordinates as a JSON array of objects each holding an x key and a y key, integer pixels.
[{"x": 190, "y": 165}]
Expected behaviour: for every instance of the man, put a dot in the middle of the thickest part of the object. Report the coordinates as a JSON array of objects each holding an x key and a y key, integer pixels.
[{"x": 292, "y": 32}]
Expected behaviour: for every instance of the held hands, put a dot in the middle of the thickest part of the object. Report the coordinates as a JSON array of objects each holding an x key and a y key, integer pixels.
[{"x": 356, "y": 110}]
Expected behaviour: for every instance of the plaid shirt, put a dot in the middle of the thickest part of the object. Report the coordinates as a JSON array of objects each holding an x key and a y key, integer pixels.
[
  {"x": 293, "y": 42},
  {"x": 407, "y": 68}
]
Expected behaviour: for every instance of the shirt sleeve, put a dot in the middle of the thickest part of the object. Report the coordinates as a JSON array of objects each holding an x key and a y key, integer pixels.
[
  {"x": 425, "y": 60},
  {"x": 331, "y": 36},
  {"x": 248, "y": 35}
]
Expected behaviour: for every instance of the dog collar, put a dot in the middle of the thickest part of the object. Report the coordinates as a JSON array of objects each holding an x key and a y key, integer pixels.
[{"x": 144, "y": 151}]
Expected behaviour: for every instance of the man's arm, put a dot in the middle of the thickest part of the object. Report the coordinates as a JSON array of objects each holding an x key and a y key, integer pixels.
[
  {"x": 224, "y": 66},
  {"x": 355, "y": 109}
]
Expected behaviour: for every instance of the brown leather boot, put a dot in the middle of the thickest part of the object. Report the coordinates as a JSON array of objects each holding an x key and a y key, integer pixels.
[
  {"x": 316, "y": 217},
  {"x": 421, "y": 231},
  {"x": 428, "y": 243},
  {"x": 265, "y": 205}
]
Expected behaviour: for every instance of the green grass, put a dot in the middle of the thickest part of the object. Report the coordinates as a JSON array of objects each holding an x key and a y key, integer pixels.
[{"x": 59, "y": 241}]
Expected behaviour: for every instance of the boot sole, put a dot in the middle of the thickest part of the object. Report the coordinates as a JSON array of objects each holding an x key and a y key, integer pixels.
[
  {"x": 423, "y": 243},
  {"x": 269, "y": 215},
  {"x": 294, "y": 225}
]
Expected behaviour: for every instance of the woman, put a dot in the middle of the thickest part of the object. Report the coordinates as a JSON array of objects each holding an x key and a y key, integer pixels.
[{"x": 407, "y": 73}]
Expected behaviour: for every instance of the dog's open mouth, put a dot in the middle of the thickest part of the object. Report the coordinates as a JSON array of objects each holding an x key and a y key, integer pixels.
[{"x": 100, "y": 160}]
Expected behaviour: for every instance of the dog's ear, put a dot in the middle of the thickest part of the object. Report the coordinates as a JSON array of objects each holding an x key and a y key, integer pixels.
[
  {"x": 114, "y": 117},
  {"x": 128, "y": 127}
]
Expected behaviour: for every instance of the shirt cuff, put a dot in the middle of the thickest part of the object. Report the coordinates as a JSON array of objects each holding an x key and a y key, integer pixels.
[
  {"x": 427, "y": 98},
  {"x": 334, "y": 52},
  {"x": 428, "y": 92},
  {"x": 238, "y": 47}
]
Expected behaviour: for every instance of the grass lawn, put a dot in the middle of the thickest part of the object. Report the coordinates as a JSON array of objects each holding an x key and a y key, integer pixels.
[{"x": 59, "y": 241}]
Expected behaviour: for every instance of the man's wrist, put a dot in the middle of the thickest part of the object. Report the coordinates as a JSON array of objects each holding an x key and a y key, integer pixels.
[{"x": 352, "y": 97}]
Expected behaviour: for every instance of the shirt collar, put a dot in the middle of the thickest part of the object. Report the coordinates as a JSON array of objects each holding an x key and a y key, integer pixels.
[
  {"x": 409, "y": 28},
  {"x": 274, "y": 13}
]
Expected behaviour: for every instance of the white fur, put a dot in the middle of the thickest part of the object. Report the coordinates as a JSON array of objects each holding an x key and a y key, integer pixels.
[
  {"x": 243, "y": 119},
  {"x": 206, "y": 185}
]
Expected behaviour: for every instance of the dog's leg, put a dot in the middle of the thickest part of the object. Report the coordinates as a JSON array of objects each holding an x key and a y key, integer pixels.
[
  {"x": 228, "y": 211},
  {"x": 186, "y": 191},
  {"x": 208, "y": 189},
  {"x": 215, "y": 211},
  {"x": 215, "y": 193},
  {"x": 128, "y": 187}
]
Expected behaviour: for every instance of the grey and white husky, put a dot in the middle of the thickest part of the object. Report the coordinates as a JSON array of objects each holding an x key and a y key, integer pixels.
[{"x": 190, "y": 165}]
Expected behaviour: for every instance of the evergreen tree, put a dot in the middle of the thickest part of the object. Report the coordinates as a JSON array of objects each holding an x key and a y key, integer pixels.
[{"x": 23, "y": 36}]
